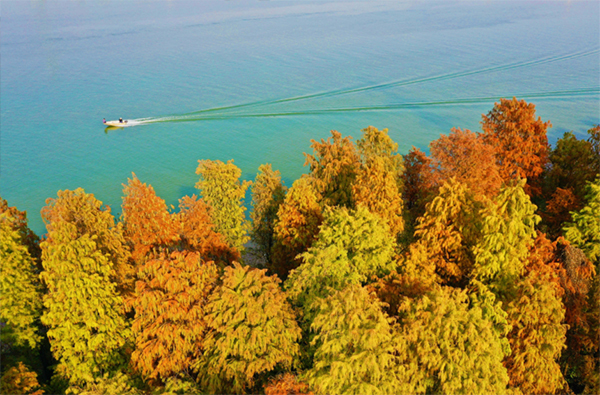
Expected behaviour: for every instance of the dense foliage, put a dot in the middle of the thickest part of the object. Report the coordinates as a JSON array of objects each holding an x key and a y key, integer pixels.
[{"x": 471, "y": 268}]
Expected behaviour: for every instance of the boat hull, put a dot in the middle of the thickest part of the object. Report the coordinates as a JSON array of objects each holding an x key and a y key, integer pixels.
[{"x": 116, "y": 124}]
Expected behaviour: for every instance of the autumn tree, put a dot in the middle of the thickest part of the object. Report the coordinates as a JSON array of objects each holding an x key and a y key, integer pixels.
[
  {"x": 464, "y": 156},
  {"x": 268, "y": 193},
  {"x": 415, "y": 275},
  {"x": 448, "y": 231},
  {"x": 536, "y": 314},
  {"x": 507, "y": 233},
  {"x": 286, "y": 384},
  {"x": 21, "y": 301},
  {"x": 573, "y": 164},
  {"x": 198, "y": 232},
  {"x": 83, "y": 310},
  {"x": 353, "y": 247},
  {"x": 147, "y": 221},
  {"x": 222, "y": 190},
  {"x": 379, "y": 178},
  {"x": 20, "y": 380},
  {"x": 421, "y": 183},
  {"x": 297, "y": 224},
  {"x": 519, "y": 141},
  {"x": 584, "y": 231},
  {"x": 91, "y": 217},
  {"x": 169, "y": 303},
  {"x": 458, "y": 340},
  {"x": 18, "y": 222},
  {"x": 577, "y": 275},
  {"x": 355, "y": 349},
  {"x": 251, "y": 331},
  {"x": 334, "y": 165},
  {"x": 558, "y": 210}
]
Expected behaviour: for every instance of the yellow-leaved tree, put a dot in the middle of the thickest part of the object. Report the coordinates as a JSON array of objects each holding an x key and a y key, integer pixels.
[
  {"x": 84, "y": 312},
  {"x": 448, "y": 231},
  {"x": 457, "y": 339},
  {"x": 252, "y": 330},
  {"x": 355, "y": 347},
  {"x": 378, "y": 183},
  {"x": 222, "y": 190},
  {"x": 21, "y": 301}
]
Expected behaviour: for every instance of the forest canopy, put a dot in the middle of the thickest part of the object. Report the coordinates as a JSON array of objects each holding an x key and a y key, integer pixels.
[{"x": 469, "y": 269}]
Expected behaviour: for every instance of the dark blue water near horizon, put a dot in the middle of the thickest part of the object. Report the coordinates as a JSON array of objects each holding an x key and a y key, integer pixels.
[{"x": 255, "y": 81}]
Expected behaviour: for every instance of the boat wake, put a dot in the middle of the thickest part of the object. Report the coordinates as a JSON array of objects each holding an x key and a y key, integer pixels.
[{"x": 256, "y": 109}]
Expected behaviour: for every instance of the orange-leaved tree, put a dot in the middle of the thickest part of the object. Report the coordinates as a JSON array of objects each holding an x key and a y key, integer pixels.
[
  {"x": 519, "y": 140},
  {"x": 20, "y": 380},
  {"x": 536, "y": 314},
  {"x": 464, "y": 155},
  {"x": 169, "y": 302},
  {"x": 18, "y": 222},
  {"x": 146, "y": 219},
  {"x": 198, "y": 232},
  {"x": 420, "y": 182},
  {"x": 286, "y": 384}
]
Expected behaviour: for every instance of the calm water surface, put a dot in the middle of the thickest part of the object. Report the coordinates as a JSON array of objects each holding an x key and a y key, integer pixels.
[{"x": 255, "y": 81}]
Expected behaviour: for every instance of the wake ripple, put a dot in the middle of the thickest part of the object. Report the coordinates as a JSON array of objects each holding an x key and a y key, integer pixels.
[{"x": 233, "y": 111}]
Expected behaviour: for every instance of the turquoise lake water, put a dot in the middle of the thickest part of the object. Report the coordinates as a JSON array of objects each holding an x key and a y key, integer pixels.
[{"x": 273, "y": 75}]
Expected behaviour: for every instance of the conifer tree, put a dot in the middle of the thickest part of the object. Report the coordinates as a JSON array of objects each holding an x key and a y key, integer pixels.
[
  {"x": 334, "y": 165},
  {"x": 452, "y": 336},
  {"x": 20, "y": 380},
  {"x": 508, "y": 230},
  {"x": 584, "y": 231},
  {"x": 376, "y": 189},
  {"x": 268, "y": 193},
  {"x": 519, "y": 140},
  {"x": 420, "y": 182},
  {"x": 463, "y": 155},
  {"x": 21, "y": 301},
  {"x": 448, "y": 232},
  {"x": 92, "y": 218},
  {"x": 355, "y": 349},
  {"x": 536, "y": 314},
  {"x": 147, "y": 221},
  {"x": 198, "y": 232},
  {"x": 572, "y": 165},
  {"x": 83, "y": 310},
  {"x": 376, "y": 143},
  {"x": 558, "y": 211},
  {"x": 18, "y": 222},
  {"x": 298, "y": 221},
  {"x": 286, "y": 384},
  {"x": 222, "y": 190},
  {"x": 252, "y": 331},
  {"x": 353, "y": 247},
  {"x": 169, "y": 303}
]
